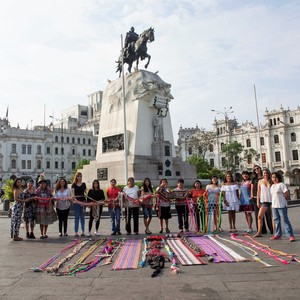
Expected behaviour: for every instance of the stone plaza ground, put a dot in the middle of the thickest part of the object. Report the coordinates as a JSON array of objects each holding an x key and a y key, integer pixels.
[{"x": 243, "y": 280}]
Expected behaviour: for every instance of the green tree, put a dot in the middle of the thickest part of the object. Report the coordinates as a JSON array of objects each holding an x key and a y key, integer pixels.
[
  {"x": 203, "y": 168},
  {"x": 232, "y": 153}
]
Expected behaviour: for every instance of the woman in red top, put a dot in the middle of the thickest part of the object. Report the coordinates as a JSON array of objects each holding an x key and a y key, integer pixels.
[
  {"x": 114, "y": 207},
  {"x": 195, "y": 193}
]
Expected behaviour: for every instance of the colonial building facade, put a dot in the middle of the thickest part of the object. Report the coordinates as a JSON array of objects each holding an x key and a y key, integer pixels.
[
  {"x": 275, "y": 145},
  {"x": 54, "y": 149}
]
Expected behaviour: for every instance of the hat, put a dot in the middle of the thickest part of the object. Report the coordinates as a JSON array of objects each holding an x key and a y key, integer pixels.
[{"x": 42, "y": 179}]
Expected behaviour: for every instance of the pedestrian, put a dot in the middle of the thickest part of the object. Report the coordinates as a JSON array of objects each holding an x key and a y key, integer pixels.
[
  {"x": 264, "y": 200},
  {"x": 132, "y": 193},
  {"x": 163, "y": 205},
  {"x": 29, "y": 209},
  {"x": 147, "y": 204},
  {"x": 113, "y": 194},
  {"x": 181, "y": 206},
  {"x": 45, "y": 214},
  {"x": 63, "y": 195},
  {"x": 246, "y": 203},
  {"x": 97, "y": 196},
  {"x": 230, "y": 193},
  {"x": 280, "y": 195},
  {"x": 195, "y": 194},
  {"x": 78, "y": 190}
]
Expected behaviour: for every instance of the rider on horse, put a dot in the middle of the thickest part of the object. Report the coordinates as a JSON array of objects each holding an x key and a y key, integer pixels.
[{"x": 130, "y": 39}]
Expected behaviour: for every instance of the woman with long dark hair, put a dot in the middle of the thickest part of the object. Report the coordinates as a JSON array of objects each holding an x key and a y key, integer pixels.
[{"x": 147, "y": 205}]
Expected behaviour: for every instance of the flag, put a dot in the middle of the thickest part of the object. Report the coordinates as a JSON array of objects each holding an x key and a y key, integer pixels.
[{"x": 7, "y": 112}]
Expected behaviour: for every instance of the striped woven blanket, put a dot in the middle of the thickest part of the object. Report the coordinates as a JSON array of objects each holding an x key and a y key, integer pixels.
[{"x": 129, "y": 255}]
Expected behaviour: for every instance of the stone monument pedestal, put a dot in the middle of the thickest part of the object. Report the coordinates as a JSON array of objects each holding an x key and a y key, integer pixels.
[{"x": 150, "y": 144}]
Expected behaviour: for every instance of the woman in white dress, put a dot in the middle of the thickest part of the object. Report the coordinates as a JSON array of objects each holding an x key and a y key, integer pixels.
[{"x": 230, "y": 193}]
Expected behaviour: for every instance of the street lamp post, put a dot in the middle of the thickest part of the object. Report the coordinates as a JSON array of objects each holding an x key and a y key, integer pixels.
[{"x": 226, "y": 112}]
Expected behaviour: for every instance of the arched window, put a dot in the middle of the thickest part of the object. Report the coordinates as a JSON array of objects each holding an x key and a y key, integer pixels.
[
  {"x": 89, "y": 141},
  {"x": 13, "y": 148},
  {"x": 83, "y": 141},
  {"x": 262, "y": 141},
  {"x": 222, "y": 146},
  {"x": 23, "y": 149},
  {"x": 211, "y": 148},
  {"x": 39, "y": 149},
  {"x": 190, "y": 151},
  {"x": 73, "y": 151},
  {"x": 293, "y": 137},
  {"x": 56, "y": 139},
  {"x": 68, "y": 140},
  {"x": 38, "y": 164},
  {"x": 28, "y": 149},
  {"x": 78, "y": 141},
  {"x": 61, "y": 139},
  {"x": 248, "y": 143},
  {"x": 276, "y": 139},
  {"x": 73, "y": 140},
  {"x": 274, "y": 121}
]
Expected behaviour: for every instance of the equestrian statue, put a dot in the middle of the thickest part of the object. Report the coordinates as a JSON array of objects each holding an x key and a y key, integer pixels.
[{"x": 135, "y": 48}]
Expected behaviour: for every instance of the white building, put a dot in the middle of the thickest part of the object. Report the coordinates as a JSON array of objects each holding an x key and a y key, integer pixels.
[
  {"x": 278, "y": 142},
  {"x": 54, "y": 149}
]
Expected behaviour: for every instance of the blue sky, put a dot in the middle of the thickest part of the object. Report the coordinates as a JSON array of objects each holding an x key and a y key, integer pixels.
[{"x": 54, "y": 53}]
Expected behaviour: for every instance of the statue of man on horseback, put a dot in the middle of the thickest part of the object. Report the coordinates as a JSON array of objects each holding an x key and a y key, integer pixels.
[{"x": 135, "y": 49}]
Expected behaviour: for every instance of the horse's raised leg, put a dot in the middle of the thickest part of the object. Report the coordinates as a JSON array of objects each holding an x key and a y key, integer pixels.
[{"x": 149, "y": 57}]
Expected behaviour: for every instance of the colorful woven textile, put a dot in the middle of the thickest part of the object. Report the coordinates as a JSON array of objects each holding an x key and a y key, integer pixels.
[
  {"x": 183, "y": 254},
  {"x": 212, "y": 249},
  {"x": 129, "y": 255}
]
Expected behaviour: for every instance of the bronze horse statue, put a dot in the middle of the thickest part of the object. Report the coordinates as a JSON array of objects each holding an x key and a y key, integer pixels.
[{"x": 137, "y": 51}]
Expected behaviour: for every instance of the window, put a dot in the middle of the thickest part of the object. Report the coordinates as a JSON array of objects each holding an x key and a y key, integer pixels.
[
  {"x": 48, "y": 150},
  {"x": 223, "y": 161},
  {"x": 56, "y": 150},
  {"x": 62, "y": 151},
  {"x": 56, "y": 139},
  {"x": 39, "y": 150},
  {"x": 291, "y": 120},
  {"x": 263, "y": 158},
  {"x": 293, "y": 137},
  {"x": 83, "y": 152},
  {"x": 211, "y": 148},
  {"x": 276, "y": 139},
  {"x": 56, "y": 165},
  {"x": 83, "y": 141},
  {"x": 212, "y": 162},
  {"x": 48, "y": 164},
  {"x": 190, "y": 151},
  {"x": 222, "y": 146},
  {"x": 73, "y": 165},
  {"x": 28, "y": 149},
  {"x": 277, "y": 156},
  {"x": 62, "y": 165},
  {"x": 68, "y": 140},
  {"x": 248, "y": 143},
  {"x": 262, "y": 141},
  {"x": 62, "y": 139},
  {"x": 89, "y": 141},
  {"x": 274, "y": 121},
  {"x": 23, "y": 149},
  {"x": 28, "y": 164},
  {"x": 270, "y": 122},
  {"x": 38, "y": 164},
  {"x": 13, "y": 148},
  {"x": 218, "y": 131},
  {"x": 78, "y": 141},
  {"x": 168, "y": 173},
  {"x": 23, "y": 164},
  {"x": 295, "y": 154},
  {"x": 73, "y": 151},
  {"x": 13, "y": 164},
  {"x": 73, "y": 140},
  {"x": 89, "y": 152}
]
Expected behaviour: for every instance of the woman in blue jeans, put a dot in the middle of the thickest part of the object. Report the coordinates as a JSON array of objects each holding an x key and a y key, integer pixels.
[
  {"x": 280, "y": 194},
  {"x": 78, "y": 190}
]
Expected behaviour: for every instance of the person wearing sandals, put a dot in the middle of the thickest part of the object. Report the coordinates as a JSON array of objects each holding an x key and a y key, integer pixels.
[
  {"x": 96, "y": 195},
  {"x": 230, "y": 193},
  {"x": 45, "y": 214},
  {"x": 280, "y": 195},
  {"x": 264, "y": 200},
  {"x": 182, "y": 207},
  {"x": 29, "y": 209},
  {"x": 163, "y": 205},
  {"x": 17, "y": 209},
  {"x": 147, "y": 205},
  {"x": 78, "y": 190},
  {"x": 63, "y": 193}
]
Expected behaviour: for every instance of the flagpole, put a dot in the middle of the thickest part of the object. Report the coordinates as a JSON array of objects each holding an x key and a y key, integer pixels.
[
  {"x": 124, "y": 117},
  {"x": 258, "y": 125}
]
